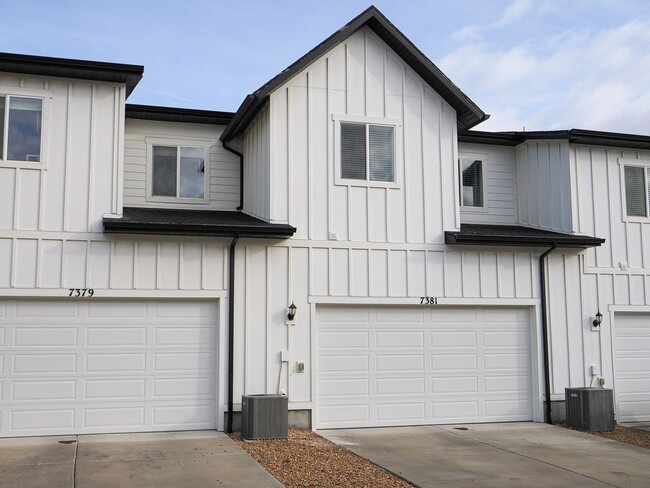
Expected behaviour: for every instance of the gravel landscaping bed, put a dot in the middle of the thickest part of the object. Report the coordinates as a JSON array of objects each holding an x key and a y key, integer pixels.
[
  {"x": 308, "y": 460},
  {"x": 629, "y": 435}
]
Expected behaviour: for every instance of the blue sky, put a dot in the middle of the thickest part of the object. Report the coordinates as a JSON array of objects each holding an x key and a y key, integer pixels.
[{"x": 538, "y": 64}]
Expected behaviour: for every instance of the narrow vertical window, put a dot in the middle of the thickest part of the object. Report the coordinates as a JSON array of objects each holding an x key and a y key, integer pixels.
[
  {"x": 2, "y": 127},
  {"x": 164, "y": 171},
  {"x": 353, "y": 151},
  {"x": 471, "y": 184},
  {"x": 381, "y": 142},
  {"x": 637, "y": 191},
  {"x": 192, "y": 173}
]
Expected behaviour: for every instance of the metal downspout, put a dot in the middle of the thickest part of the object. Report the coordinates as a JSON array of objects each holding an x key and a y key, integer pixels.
[
  {"x": 547, "y": 373},
  {"x": 241, "y": 174},
  {"x": 231, "y": 331}
]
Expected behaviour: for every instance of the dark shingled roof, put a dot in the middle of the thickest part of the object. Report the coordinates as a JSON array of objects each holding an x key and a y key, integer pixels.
[
  {"x": 514, "y": 235},
  {"x": 468, "y": 113},
  {"x": 209, "y": 223},
  {"x": 171, "y": 114},
  {"x": 128, "y": 74},
  {"x": 574, "y": 136}
]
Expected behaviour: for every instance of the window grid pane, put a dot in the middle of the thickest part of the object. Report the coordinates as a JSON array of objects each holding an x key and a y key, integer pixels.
[
  {"x": 636, "y": 193},
  {"x": 353, "y": 151},
  {"x": 24, "y": 129},
  {"x": 192, "y": 173},
  {"x": 381, "y": 142},
  {"x": 472, "y": 182},
  {"x": 164, "y": 171}
]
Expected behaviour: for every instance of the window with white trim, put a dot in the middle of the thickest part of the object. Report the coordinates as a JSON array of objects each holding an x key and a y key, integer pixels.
[
  {"x": 472, "y": 187},
  {"x": 21, "y": 124},
  {"x": 367, "y": 152},
  {"x": 637, "y": 190},
  {"x": 178, "y": 172}
]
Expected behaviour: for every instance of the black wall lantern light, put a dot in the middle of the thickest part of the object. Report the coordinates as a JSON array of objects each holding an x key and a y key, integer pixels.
[
  {"x": 598, "y": 319},
  {"x": 291, "y": 312}
]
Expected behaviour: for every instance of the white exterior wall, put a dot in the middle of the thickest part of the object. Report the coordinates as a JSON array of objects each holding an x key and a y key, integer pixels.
[
  {"x": 223, "y": 175},
  {"x": 543, "y": 185},
  {"x": 363, "y": 77},
  {"x": 612, "y": 278},
  {"x": 358, "y": 244},
  {"x": 500, "y": 189},
  {"x": 255, "y": 146}
]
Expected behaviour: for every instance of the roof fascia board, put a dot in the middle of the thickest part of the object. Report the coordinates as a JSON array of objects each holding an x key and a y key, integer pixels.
[
  {"x": 172, "y": 114},
  {"x": 129, "y": 74}
]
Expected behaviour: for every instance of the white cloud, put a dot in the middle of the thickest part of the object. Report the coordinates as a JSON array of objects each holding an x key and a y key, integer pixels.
[
  {"x": 513, "y": 12},
  {"x": 588, "y": 79}
]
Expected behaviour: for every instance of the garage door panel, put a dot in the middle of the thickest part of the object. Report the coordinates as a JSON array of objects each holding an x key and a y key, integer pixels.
[
  {"x": 449, "y": 367},
  {"x": 396, "y": 339},
  {"x": 341, "y": 339},
  {"x": 44, "y": 364},
  {"x": 402, "y": 412},
  {"x": 116, "y": 336},
  {"x": 44, "y": 337},
  {"x": 343, "y": 363},
  {"x": 114, "y": 389},
  {"x": 36, "y": 421},
  {"x": 399, "y": 363},
  {"x": 43, "y": 391},
  {"x": 632, "y": 366},
  {"x": 446, "y": 339},
  {"x": 96, "y": 366}
]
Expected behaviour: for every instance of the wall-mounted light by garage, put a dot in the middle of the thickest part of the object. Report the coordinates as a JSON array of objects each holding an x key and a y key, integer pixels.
[
  {"x": 291, "y": 312},
  {"x": 598, "y": 319}
]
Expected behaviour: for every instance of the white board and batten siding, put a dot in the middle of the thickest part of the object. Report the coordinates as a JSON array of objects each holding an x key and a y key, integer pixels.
[
  {"x": 383, "y": 366},
  {"x": 255, "y": 145},
  {"x": 500, "y": 185},
  {"x": 82, "y": 152},
  {"x": 362, "y": 77},
  {"x": 544, "y": 186},
  {"x": 223, "y": 174},
  {"x": 92, "y": 366}
]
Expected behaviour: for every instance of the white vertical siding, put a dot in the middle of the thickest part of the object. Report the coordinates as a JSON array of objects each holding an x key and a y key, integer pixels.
[
  {"x": 223, "y": 184},
  {"x": 543, "y": 185},
  {"x": 362, "y": 77},
  {"x": 500, "y": 188},
  {"x": 255, "y": 145},
  {"x": 74, "y": 187}
]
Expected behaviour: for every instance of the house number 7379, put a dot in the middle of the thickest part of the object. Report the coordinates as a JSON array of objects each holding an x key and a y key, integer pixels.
[
  {"x": 428, "y": 300},
  {"x": 81, "y": 292}
]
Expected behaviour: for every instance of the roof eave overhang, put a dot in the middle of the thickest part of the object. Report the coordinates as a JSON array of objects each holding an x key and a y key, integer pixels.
[
  {"x": 182, "y": 115},
  {"x": 127, "y": 74},
  {"x": 580, "y": 242},
  {"x": 272, "y": 231}
]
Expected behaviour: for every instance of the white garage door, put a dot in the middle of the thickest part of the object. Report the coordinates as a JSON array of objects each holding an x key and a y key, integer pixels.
[
  {"x": 381, "y": 366},
  {"x": 632, "y": 363},
  {"x": 88, "y": 366}
]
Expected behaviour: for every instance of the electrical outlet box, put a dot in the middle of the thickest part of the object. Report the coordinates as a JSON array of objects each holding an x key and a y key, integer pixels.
[
  {"x": 284, "y": 356},
  {"x": 300, "y": 366}
]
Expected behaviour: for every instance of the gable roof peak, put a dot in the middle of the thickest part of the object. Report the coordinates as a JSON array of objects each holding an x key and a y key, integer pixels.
[{"x": 467, "y": 112}]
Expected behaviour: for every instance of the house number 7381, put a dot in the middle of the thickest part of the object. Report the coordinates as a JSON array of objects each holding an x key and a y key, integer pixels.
[{"x": 428, "y": 300}]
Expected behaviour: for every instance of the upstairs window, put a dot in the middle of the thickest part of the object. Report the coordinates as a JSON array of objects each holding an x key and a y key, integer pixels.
[
  {"x": 21, "y": 123},
  {"x": 637, "y": 191},
  {"x": 178, "y": 172},
  {"x": 471, "y": 183},
  {"x": 368, "y": 152}
]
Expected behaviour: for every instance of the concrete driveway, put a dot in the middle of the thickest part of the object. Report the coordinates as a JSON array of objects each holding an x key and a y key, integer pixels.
[
  {"x": 177, "y": 459},
  {"x": 499, "y": 455}
]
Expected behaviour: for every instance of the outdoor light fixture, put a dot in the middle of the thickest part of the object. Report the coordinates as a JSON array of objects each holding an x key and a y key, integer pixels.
[
  {"x": 598, "y": 320},
  {"x": 292, "y": 312}
]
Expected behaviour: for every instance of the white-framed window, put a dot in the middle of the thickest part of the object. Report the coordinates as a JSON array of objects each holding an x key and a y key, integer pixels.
[
  {"x": 178, "y": 171},
  {"x": 367, "y": 151},
  {"x": 636, "y": 188},
  {"x": 471, "y": 171},
  {"x": 22, "y": 137}
]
